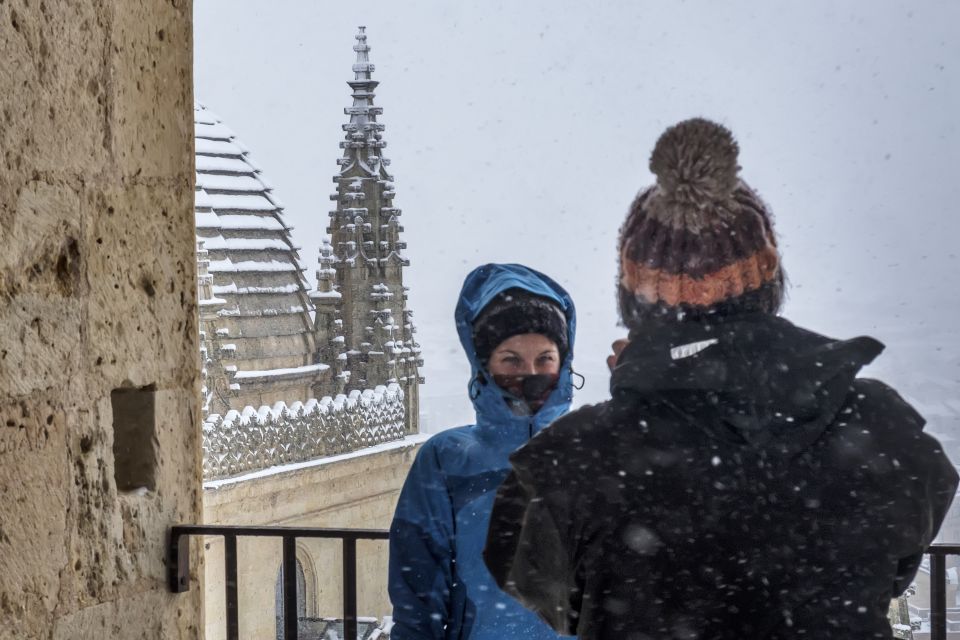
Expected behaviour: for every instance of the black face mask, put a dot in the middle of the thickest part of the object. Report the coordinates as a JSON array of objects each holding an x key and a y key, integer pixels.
[{"x": 532, "y": 389}]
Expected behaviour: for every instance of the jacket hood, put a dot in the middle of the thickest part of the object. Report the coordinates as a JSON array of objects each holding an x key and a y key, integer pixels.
[
  {"x": 754, "y": 379},
  {"x": 481, "y": 286}
]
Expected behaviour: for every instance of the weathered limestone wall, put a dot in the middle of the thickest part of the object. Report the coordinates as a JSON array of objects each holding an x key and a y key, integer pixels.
[
  {"x": 99, "y": 413},
  {"x": 354, "y": 491}
]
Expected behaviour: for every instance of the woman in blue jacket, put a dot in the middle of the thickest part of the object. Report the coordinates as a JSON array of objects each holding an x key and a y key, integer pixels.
[{"x": 517, "y": 327}]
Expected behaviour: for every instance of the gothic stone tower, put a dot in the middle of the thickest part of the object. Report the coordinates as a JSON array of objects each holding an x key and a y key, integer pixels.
[{"x": 369, "y": 319}]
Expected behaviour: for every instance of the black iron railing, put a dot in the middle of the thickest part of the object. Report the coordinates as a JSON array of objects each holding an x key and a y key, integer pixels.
[
  {"x": 179, "y": 565},
  {"x": 938, "y": 588},
  {"x": 178, "y": 554}
]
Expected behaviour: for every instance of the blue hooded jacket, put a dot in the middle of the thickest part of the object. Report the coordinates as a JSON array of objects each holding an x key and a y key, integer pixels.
[{"x": 438, "y": 583}]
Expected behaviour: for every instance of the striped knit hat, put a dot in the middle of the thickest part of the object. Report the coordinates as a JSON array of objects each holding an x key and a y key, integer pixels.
[{"x": 700, "y": 241}]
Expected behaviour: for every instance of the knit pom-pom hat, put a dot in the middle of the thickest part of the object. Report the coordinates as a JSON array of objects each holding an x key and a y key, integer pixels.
[{"x": 700, "y": 241}]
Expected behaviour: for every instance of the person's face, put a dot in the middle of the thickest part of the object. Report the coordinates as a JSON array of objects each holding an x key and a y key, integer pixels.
[{"x": 525, "y": 354}]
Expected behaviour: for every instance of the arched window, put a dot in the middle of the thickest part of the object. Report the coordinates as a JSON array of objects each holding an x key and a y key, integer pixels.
[
  {"x": 306, "y": 589},
  {"x": 301, "y": 597}
]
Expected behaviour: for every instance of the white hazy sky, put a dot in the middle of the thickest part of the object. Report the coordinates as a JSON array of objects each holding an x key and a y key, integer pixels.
[{"x": 520, "y": 131}]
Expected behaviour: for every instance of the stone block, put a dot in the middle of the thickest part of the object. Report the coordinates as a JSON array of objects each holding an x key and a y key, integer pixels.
[
  {"x": 54, "y": 106},
  {"x": 152, "y": 118},
  {"x": 151, "y": 614},
  {"x": 41, "y": 275},
  {"x": 39, "y": 345},
  {"x": 33, "y": 491},
  {"x": 142, "y": 325}
]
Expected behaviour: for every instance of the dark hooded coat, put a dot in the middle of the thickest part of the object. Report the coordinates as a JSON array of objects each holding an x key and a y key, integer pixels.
[{"x": 742, "y": 482}]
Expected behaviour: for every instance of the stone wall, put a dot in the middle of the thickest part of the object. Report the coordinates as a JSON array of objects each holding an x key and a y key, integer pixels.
[{"x": 99, "y": 448}]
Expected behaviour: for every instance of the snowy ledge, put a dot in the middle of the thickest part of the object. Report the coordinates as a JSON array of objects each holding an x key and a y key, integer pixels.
[
  {"x": 281, "y": 373},
  {"x": 248, "y": 441},
  {"x": 407, "y": 442}
]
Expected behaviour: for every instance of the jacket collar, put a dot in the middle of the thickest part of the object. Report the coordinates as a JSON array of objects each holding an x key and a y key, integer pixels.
[
  {"x": 753, "y": 378},
  {"x": 496, "y": 419}
]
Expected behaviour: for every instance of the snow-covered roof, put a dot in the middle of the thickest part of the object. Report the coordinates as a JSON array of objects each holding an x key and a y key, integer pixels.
[
  {"x": 254, "y": 264},
  {"x": 250, "y": 221},
  {"x": 221, "y": 243},
  {"x": 240, "y": 202},
  {"x": 290, "y": 372},
  {"x": 234, "y": 183},
  {"x": 215, "y": 163},
  {"x": 218, "y": 148}
]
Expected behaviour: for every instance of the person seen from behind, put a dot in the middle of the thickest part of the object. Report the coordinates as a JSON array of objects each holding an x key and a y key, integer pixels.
[
  {"x": 742, "y": 481},
  {"x": 517, "y": 327}
]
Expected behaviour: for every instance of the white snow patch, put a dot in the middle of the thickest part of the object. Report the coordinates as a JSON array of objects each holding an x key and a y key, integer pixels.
[
  {"x": 217, "y": 147},
  {"x": 276, "y": 373},
  {"x": 219, "y": 163},
  {"x": 220, "y": 182},
  {"x": 240, "y": 202},
  {"x": 238, "y": 222},
  {"x": 207, "y": 220},
  {"x": 220, "y": 243},
  {"x": 253, "y": 266}
]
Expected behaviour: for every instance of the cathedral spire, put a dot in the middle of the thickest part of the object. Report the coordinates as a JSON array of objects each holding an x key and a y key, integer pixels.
[
  {"x": 370, "y": 322},
  {"x": 363, "y": 140}
]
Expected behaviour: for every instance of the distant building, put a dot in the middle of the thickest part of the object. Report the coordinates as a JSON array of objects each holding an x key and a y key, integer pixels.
[
  {"x": 300, "y": 383},
  {"x": 362, "y": 319},
  {"x": 257, "y": 332},
  {"x": 268, "y": 337},
  {"x": 270, "y": 340}
]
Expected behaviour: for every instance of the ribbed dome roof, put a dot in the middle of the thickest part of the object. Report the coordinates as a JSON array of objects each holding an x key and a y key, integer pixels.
[{"x": 255, "y": 267}]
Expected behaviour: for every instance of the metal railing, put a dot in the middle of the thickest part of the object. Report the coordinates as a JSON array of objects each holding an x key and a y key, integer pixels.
[
  {"x": 179, "y": 568},
  {"x": 178, "y": 555},
  {"x": 938, "y": 588}
]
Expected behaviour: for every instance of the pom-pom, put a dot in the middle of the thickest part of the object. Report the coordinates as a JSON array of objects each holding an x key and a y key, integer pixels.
[{"x": 695, "y": 162}]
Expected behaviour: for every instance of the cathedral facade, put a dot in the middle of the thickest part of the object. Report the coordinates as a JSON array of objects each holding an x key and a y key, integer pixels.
[
  {"x": 268, "y": 338},
  {"x": 310, "y": 393}
]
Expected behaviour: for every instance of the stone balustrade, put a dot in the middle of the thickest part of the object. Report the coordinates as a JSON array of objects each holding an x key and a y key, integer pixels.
[{"x": 255, "y": 439}]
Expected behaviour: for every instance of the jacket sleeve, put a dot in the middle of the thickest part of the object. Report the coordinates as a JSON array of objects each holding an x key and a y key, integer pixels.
[
  {"x": 527, "y": 555},
  {"x": 936, "y": 476},
  {"x": 420, "y": 571},
  {"x": 941, "y": 486}
]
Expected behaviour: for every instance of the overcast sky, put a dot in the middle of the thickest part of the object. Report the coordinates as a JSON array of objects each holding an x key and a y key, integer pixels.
[{"x": 520, "y": 131}]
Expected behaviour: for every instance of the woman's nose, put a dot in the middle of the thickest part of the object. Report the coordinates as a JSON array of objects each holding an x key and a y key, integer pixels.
[{"x": 528, "y": 369}]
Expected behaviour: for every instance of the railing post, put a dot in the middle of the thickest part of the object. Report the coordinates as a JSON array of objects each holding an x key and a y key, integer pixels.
[
  {"x": 349, "y": 588},
  {"x": 230, "y": 585},
  {"x": 178, "y": 561},
  {"x": 938, "y": 596},
  {"x": 290, "y": 588}
]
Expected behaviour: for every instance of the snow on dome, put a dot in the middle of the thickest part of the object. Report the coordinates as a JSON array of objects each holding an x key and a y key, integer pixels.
[
  {"x": 246, "y": 184},
  {"x": 254, "y": 264}
]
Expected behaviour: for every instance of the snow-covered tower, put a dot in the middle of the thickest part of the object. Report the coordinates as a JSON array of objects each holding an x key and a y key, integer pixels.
[{"x": 376, "y": 330}]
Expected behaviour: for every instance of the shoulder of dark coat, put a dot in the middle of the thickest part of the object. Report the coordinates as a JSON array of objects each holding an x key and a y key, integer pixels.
[
  {"x": 896, "y": 426},
  {"x": 900, "y": 426},
  {"x": 563, "y": 438},
  {"x": 881, "y": 406}
]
